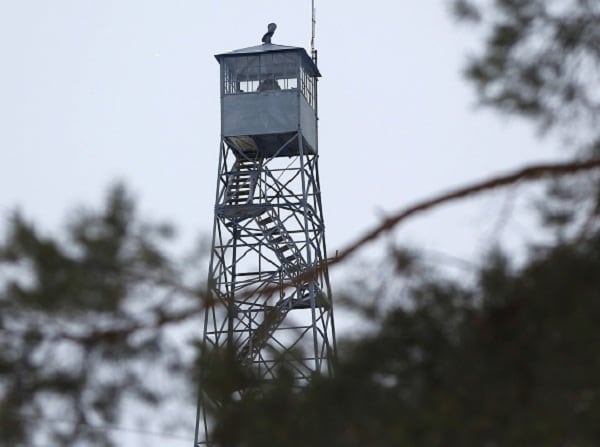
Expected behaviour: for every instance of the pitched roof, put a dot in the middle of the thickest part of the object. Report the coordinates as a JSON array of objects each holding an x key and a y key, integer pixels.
[
  {"x": 270, "y": 48},
  {"x": 264, "y": 48}
]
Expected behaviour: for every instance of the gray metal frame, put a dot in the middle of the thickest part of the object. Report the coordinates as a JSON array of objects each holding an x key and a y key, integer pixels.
[{"x": 268, "y": 231}]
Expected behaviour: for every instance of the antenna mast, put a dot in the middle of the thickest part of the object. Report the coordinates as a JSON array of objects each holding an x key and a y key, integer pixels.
[{"x": 313, "y": 51}]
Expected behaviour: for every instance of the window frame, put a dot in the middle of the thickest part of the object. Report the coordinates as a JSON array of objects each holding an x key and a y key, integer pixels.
[{"x": 251, "y": 74}]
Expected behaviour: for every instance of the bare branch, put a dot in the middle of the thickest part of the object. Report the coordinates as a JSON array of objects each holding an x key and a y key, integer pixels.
[
  {"x": 535, "y": 172},
  {"x": 527, "y": 174}
]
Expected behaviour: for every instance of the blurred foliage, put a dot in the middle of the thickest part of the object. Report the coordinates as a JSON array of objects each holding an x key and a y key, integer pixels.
[
  {"x": 506, "y": 359},
  {"x": 539, "y": 59},
  {"x": 82, "y": 322},
  {"x": 509, "y": 360}
]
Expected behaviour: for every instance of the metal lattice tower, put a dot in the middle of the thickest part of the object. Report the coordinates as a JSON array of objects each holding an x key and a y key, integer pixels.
[{"x": 268, "y": 227}]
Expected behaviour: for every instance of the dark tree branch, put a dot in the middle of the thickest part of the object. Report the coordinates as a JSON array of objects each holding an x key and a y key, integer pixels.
[
  {"x": 527, "y": 174},
  {"x": 530, "y": 173}
]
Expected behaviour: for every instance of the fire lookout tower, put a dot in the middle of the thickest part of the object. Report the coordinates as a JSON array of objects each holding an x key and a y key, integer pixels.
[{"x": 268, "y": 225}]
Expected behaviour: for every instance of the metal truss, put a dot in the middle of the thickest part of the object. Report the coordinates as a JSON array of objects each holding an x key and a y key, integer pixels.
[{"x": 268, "y": 231}]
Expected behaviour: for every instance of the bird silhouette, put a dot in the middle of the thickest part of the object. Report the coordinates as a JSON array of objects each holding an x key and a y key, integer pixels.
[{"x": 271, "y": 29}]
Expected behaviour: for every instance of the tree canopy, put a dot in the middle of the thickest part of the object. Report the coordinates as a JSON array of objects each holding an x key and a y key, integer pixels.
[
  {"x": 540, "y": 60},
  {"x": 83, "y": 321},
  {"x": 509, "y": 360}
]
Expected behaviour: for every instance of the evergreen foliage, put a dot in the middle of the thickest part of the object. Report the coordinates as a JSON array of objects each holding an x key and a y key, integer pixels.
[
  {"x": 539, "y": 60},
  {"x": 82, "y": 322},
  {"x": 508, "y": 361}
]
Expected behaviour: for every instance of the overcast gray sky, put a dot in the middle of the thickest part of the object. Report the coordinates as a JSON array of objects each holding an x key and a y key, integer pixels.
[{"x": 93, "y": 91}]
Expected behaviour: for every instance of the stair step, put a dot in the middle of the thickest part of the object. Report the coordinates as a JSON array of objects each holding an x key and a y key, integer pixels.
[
  {"x": 266, "y": 221},
  {"x": 238, "y": 197}
]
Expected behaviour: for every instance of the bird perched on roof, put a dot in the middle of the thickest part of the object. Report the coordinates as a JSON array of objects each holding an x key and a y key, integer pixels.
[{"x": 271, "y": 29}]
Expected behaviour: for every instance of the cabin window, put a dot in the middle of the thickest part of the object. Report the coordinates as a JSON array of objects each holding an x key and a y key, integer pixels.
[
  {"x": 308, "y": 89},
  {"x": 260, "y": 73}
]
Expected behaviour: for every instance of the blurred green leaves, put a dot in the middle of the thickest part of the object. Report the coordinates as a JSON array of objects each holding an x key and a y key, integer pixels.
[
  {"x": 539, "y": 60},
  {"x": 83, "y": 320},
  {"x": 510, "y": 360}
]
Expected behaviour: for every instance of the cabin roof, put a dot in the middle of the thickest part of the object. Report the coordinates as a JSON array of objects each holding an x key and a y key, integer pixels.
[{"x": 270, "y": 48}]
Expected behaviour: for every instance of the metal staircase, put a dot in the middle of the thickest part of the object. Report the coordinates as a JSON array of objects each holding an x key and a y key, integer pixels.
[
  {"x": 282, "y": 244},
  {"x": 293, "y": 265},
  {"x": 238, "y": 204},
  {"x": 241, "y": 182}
]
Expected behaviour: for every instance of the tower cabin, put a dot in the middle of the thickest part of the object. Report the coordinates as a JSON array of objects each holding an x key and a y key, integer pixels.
[{"x": 268, "y": 97}]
